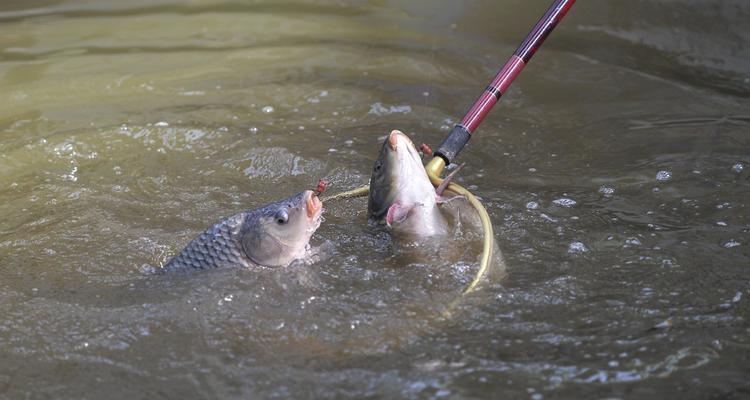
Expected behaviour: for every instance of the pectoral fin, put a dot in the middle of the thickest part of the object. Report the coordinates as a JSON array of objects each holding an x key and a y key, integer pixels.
[{"x": 444, "y": 184}]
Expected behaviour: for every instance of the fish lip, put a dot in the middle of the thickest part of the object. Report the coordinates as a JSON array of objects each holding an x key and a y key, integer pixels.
[
  {"x": 393, "y": 139},
  {"x": 395, "y": 136},
  {"x": 313, "y": 205}
]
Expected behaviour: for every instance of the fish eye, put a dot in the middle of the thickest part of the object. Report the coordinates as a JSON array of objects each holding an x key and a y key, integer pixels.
[
  {"x": 281, "y": 217},
  {"x": 378, "y": 166}
]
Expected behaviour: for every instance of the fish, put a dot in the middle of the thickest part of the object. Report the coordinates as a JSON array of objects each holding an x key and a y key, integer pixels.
[
  {"x": 271, "y": 236},
  {"x": 428, "y": 224},
  {"x": 401, "y": 195}
]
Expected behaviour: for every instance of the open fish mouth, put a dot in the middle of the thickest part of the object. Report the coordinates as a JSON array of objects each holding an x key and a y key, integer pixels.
[{"x": 314, "y": 205}]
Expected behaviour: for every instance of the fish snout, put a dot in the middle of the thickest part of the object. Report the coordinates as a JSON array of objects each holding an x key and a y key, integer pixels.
[
  {"x": 313, "y": 203},
  {"x": 397, "y": 136}
]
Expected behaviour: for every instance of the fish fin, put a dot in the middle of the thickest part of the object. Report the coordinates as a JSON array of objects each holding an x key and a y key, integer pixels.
[
  {"x": 443, "y": 200},
  {"x": 444, "y": 184},
  {"x": 398, "y": 212}
]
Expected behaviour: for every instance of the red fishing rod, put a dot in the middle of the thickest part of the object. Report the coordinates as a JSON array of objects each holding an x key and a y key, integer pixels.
[{"x": 461, "y": 133}]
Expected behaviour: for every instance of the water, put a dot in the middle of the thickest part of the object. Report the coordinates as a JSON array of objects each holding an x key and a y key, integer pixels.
[{"x": 129, "y": 127}]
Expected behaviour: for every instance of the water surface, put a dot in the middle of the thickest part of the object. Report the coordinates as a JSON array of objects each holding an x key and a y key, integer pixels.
[{"x": 616, "y": 171}]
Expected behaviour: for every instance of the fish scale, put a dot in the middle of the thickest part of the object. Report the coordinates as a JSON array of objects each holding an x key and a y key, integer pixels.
[{"x": 218, "y": 246}]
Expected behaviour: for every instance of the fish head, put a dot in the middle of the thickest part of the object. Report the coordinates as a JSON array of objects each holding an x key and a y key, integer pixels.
[
  {"x": 398, "y": 177},
  {"x": 279, "y": 233}
]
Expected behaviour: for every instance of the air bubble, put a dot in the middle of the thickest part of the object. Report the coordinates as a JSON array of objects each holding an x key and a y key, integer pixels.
[
  {"x": 633, "y": 242},
  {"x": 577, "y": 247},
  {"x": 565, "y": 202},
  {"x": 663, "y": 176},
  {"x": 731, "y": 243}
]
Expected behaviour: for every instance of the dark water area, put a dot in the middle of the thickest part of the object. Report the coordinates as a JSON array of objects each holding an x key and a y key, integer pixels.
[{"x": 616, "y": 171}]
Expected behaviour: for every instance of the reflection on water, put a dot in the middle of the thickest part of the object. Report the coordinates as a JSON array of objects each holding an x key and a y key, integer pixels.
[{"x": 615, "y": 171}]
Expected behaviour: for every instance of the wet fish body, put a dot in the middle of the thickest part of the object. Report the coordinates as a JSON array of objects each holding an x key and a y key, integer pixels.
[
  {"x": 401, "y": 194},
  {"x": 271, "y": 236}
]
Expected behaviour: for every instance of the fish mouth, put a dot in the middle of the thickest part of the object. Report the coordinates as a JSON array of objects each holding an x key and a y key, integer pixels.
[
  {"x": 396, "y": 136},
  {"x": 314, "y": 205}
]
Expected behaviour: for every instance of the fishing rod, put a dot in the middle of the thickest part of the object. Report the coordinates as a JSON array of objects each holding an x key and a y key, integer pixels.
[{"x": 461, "y": 133}]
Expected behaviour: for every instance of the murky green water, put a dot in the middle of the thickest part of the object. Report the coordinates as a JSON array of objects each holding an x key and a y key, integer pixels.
[{"x": 616, "y": 170}]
